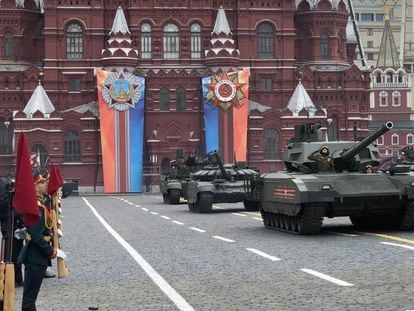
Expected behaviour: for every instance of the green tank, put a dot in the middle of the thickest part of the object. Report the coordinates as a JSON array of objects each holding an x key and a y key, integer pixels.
[
  {"x": 220, "y": 183},
  {"x": 297, "y": 199},
  {"x": 173, "y": 184}
]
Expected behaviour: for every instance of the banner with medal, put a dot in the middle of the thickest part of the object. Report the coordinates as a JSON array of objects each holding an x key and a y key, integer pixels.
[
  {"x": 226, "y": 109},
  {"x": 121, "y": 113}
]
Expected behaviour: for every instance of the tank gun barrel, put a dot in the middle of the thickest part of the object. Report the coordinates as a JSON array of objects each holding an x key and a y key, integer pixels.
[
  {"x": 355, "y": 149},
  {"x": 220, "y": 164}
]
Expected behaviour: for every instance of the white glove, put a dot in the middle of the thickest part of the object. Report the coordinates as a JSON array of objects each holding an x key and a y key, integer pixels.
[
  {"x": 60, "y": 233},
  {"x": 60, "y": 254}
]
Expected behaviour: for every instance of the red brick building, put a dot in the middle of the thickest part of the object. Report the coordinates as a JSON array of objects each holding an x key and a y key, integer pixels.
[{"x": 173, "y": 44}]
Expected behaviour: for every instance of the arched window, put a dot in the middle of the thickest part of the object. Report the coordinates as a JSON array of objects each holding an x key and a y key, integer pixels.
[
  {"x": 390, "y": 77},
  {"x": 180, "y": 99},
  {"x": 146, "y": 49},
  {"x": 165, "y": 99},
  {"x": 74, "y": 41},
  {"x": 8, "y": 45},
  {"x": 42, "y": 152},
  {"x": 383, "y": 99},
  {"x": 396, "y": 98},
  {"x": 72, "y": 147},
  {"x": 265, "y": 41},
  {"x": 271, "y": 145},
  {"x": 378, "y": 78},
  {"x": 195, "y": 41},
  {"x": 380, "y": 140},
  {"x": 6, "y": 136},
  {"x": 171, "y": 42},
  {"x": 410, "y": 139},
  {"x": 400, "y": 78},
  {"x": 395, "y": 140},
  {"x": 6, "y": 83},
  {"x": 324, "y": 46}
]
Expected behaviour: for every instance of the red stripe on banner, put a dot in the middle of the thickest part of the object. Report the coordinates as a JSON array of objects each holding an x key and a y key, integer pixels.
[
  {"x": 240, "y": 119},
  {"x": 107, "y": 126}
]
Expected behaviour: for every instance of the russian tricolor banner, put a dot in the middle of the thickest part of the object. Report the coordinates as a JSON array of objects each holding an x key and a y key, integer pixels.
[
  {"x": 121, "y": 112},
  {"x": 226, "y": 109}
]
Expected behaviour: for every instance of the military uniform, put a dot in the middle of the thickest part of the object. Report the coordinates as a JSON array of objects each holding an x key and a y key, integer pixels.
[
  {"x": 36, "y": 256},
  {"x": 325, "y": 162}
]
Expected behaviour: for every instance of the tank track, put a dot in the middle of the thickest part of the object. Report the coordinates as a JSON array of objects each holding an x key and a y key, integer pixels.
[
  {"x": 172, "y": 197},
  {"x": 204, "y": 203},
  {"x": 308, "y": 221},
  {"x": 407, "y": 221}
]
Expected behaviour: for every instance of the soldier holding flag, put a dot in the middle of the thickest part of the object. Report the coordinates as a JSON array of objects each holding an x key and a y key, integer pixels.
[{"x": 30, "y": 189}]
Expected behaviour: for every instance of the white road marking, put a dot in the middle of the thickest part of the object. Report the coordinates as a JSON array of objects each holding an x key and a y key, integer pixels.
[
  {"x": 223, "y": 239},
  {"x": 154, "y": 213},
  {"x": 399, "y": 245},
  {"x": 178, "y": 222},
  {"x": 260, "y": 253},
  {"x": 136, "y": 205},
  {"x": 130, "y": 203},
  {"x": 327, "y": 277},
  {"x": 341, "y": 234},
  {"x": 144, "y": 209},
  {"x": 252, "y": 213},
  {"x": 165, "y": 217},
  {"x": 175, "y": 297},
  {"x": 218, "y": 207},
  {"x": 257, "y": 218},
  {"x": 198, "y": 230},
  {"x": 237, "y": 214}
]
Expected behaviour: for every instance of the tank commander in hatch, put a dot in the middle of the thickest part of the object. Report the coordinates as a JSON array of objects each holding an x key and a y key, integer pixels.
[{"x": 322, "y": 158}]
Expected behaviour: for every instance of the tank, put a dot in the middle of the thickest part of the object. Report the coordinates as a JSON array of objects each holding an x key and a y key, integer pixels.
[
  {"x": 297, "y": 199},
  {"x": 173, "y": 184},
  {"x": 220, "y": 183}
]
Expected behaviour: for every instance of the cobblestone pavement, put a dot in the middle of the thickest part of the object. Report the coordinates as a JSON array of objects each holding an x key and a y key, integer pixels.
[{"x": 120, "y": 247}]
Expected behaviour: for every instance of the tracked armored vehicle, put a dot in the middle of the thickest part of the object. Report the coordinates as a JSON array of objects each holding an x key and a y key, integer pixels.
[
  {"x": 173, "y": 184},
  {"x": 296, "y": 200},
  {"x": 219, "y": 183}
]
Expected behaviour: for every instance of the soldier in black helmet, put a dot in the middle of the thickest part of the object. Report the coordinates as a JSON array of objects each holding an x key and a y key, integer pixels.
[{"x": 324, "y": 160}]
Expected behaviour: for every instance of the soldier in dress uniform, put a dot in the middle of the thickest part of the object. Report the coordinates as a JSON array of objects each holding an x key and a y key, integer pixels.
[
  {"x": 325, "y": 162},
  {"x": 38, "y": 250}
]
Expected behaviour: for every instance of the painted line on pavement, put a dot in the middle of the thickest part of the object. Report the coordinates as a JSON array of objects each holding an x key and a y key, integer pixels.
[
  {"x": 252, "y": 213},
  {"x": 178, "y": 222},
  {"x": 238, "y": 214},
  {"x": 341, "y": 233},
  {"x": 223, "y": 239},
  {"x": 144, "y": 209},
  {"x": 154, "y": 213},
  {"x": 168, "y": 290},
  {"x": 165, "y": 217},
  {"x": 257, "y": 218},
  {"x": 198, "y": 230},
  {"x": 136, "y": 205},
  {"x": 260, "y": 253},
  {"x": 399, "y": 245},
  {"x": 327, "y": 277},
  {"x": 390, "y": 237}
]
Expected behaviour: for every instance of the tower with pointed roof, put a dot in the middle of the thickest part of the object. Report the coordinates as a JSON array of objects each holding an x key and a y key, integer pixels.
[{"x": 391, "y": 96}]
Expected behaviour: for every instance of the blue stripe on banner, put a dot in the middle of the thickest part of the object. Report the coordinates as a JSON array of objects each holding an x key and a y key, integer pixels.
[
  {"x": 210, "y": 120},
  {"x": 136, "y": 136}
]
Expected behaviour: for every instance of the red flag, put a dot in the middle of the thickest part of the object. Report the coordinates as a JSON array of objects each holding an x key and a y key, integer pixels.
[
  {"x": 24, "y": 199},
  {"x": 60, "y": 176},
  {"x": 55, "y": 181}
]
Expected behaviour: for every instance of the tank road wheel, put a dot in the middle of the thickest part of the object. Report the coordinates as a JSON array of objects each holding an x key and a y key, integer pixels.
[
  {"x": 204, "y": 203},
  {"x": 407, "y": 222},
  {"x": 310, "y": 219},
  {"x": 166, "y": 198},
  {"x": 294, "y": 223},
  {"x": 174, "y": 196},
  {"x": 250, "y": 205}
]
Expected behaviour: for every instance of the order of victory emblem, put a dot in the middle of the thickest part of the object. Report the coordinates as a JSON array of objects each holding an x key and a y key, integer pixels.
[
  {"x": 121, "y": 91},
  {"x": 225, "y": 91}
]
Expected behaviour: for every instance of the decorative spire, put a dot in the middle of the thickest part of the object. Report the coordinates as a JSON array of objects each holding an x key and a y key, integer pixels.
[
  {"x": 39, "y": 101},
  {"x": 223, "y": 51},
  {"x": 388, "y": 56},
  {"x": 301, "y": 100},
  {"x": 120, "y": 24},
  {"x": 350, "y": 32},
  {"x": 120, "y": 51}
]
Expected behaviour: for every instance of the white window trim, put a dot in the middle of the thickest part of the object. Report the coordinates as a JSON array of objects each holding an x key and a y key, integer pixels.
[{"x": 392, "y": 139}]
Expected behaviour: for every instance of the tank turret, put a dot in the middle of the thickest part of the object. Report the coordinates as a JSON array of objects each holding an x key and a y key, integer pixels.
[{"x": 346, "y": 155}]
